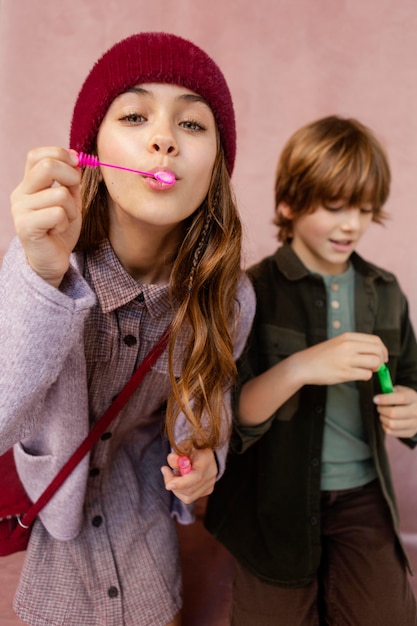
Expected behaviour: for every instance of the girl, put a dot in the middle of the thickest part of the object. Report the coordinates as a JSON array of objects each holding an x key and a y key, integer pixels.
[{"x": 103, "y": 262}]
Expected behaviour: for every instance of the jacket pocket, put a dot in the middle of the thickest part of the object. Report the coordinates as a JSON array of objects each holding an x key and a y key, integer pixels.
[{"x": 278, "y": 343}]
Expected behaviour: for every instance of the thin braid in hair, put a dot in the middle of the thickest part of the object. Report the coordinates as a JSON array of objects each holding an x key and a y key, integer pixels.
[{"x": 198, "y": 250}]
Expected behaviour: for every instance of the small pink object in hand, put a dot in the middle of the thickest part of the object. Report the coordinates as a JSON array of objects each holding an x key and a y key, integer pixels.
[{"x": 184, "y": 465}]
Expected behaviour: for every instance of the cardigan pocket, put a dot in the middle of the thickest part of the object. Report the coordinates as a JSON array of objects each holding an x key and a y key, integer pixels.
[{"x": 63, "y": 515}]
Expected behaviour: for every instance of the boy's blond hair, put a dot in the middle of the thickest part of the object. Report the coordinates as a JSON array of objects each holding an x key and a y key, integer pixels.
[{"x": 330, "y": 159}]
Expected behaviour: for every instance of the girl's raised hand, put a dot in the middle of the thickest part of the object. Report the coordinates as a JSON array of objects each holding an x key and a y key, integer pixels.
[
  {"x": 46, "y": 209},
  {"x": 199, "y": 482}
]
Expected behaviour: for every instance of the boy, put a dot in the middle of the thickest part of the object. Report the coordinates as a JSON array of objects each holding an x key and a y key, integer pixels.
[{"x": 309, "y": 509}]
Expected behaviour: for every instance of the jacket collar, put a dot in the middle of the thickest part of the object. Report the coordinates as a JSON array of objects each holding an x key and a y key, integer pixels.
[{"x": 293, "y": 269}]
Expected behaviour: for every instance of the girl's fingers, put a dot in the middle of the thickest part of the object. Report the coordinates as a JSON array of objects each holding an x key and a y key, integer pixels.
[
  {"x": 54, "y": 153},
  {"x": 47, "y": 198},
  {"x": 53, "y": 219},
  {"x": 46, "y": 173}
]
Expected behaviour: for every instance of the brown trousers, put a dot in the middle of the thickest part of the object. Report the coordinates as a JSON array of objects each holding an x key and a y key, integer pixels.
[{"x": 362, "y": 580}]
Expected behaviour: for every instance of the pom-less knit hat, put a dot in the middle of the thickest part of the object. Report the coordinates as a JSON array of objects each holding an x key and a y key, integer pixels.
[{"x": 152, "y": 58}]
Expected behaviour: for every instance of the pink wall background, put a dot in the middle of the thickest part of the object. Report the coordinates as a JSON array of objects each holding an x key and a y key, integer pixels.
[{"x": 287, "y": 62}]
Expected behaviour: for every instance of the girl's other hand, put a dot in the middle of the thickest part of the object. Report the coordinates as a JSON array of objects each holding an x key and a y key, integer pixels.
[
  {"x": 199, "y": 482},
  {"x": 46, "y": 209}
]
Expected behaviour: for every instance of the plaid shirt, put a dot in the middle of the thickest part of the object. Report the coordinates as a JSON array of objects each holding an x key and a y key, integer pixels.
[{"x": 122, "y": 567}]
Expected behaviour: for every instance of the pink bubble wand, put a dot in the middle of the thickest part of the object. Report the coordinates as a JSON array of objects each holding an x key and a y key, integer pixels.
[
  {"x": 90, "y": 160},
  {"x": 184, "y": 465}
]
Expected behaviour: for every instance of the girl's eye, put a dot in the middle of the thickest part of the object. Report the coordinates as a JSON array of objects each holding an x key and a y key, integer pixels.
[
  {"x": 192, "y": 125},
  {"x": 366, "y": 210},
  {"x": 133, "y": 118},
  {"x": 332, "y": 207}
]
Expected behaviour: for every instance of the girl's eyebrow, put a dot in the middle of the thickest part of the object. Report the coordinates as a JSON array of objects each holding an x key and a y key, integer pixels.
[
  {"x": 138, "y": 90},
  {"x": 190, "y": 97}
]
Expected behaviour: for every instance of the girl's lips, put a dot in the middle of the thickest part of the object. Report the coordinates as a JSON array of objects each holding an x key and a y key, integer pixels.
[
  {"x": 164, "y": 175},
  {"x": 159, "y": 185}
]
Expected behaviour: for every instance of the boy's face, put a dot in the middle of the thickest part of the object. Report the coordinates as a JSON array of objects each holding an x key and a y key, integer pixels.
[{"x": 325, "y": 239}]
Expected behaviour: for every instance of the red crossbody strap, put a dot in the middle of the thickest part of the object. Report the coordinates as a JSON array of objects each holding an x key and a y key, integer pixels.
[{"x": 98, "y": 429}]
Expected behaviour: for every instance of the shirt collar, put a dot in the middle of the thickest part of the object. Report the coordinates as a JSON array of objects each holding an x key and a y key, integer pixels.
[{"x": 114, "y": 287}]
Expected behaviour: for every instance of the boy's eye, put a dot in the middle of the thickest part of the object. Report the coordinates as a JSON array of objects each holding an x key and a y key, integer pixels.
[
  {"x": 192, "y": 125},
  {"x": 335, "y": 207}
]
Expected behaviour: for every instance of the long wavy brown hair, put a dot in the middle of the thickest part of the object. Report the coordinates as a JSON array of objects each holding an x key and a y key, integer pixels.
[
  {"x": 332, "y": 158},
  {"x": 203, "y": 284}
]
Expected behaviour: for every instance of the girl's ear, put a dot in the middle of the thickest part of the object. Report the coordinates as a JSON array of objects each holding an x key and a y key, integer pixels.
[{"x": 285, "y": 210}]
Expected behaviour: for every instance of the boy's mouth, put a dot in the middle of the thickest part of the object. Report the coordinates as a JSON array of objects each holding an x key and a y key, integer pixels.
[{"x": 341, "y": 244}]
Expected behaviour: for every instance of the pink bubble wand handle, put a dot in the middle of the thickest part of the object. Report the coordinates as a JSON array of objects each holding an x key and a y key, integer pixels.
[
  {"x": 184, "y": 465},
  {"x": 90, "y": 160}
]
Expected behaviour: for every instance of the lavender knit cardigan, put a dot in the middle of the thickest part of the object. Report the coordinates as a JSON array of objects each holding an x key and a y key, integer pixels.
[{"x": 43, "y": 382}]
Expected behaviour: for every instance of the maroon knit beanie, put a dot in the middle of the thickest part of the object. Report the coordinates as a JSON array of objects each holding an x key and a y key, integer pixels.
[{"x": 152, "y": 58}]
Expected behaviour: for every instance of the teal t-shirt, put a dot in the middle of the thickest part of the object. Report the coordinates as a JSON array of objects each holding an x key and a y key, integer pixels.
[{"x": 346, "y": 456}]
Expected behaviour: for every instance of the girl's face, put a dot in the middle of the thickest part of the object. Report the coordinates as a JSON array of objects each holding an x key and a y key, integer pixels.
[
  {"x": 325, "y": 239},
  {"x": 157, "y": 127}
]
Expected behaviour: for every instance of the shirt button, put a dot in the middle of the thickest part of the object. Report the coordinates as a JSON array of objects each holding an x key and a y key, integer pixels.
[
  {"x": 313, "y": 520},
  {"x": 112, "y": 592},
  {"x": 105, "y": 436},
  {"x": 318, "y": 409},
  {"x": 319, "y": 304},
  {"x": 335, "y": 287},
  {"x": 94, "y": 471},
  {"x": 336, "y": 324},
  {"x": 140, "y": 298},
  {"x": 335, "y": 304},
  {"x": 97, "y": 521},
  {"x": 130, "y": 340},
  {"x": 315, "y": 462}
]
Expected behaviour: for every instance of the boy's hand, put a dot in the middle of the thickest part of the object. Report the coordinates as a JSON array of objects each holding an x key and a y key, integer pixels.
[
  {"x": 347, "y": 357},
  {"x": 398, "y": 411},
  {"x": 46, "y": 209},
  {"x": 198, "y": 482}
]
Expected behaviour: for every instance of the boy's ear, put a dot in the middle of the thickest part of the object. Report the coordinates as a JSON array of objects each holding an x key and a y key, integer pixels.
[{"x": 285, "y": 210}]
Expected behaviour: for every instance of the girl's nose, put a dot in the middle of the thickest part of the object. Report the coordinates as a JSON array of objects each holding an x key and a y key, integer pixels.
[
  {"x": 165, "y": 143},
  {"x": 163, "y": 147}
]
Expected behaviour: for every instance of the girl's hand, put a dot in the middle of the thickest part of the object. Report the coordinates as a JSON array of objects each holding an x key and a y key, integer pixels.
[
  {"x": 46, "y": 209},
  {"x": 398, "y": 411},
  {"x": 198, "y": 482}
]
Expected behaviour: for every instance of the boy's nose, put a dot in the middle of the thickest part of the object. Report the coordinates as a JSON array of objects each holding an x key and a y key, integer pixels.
[{"x": 352, "y": 219}]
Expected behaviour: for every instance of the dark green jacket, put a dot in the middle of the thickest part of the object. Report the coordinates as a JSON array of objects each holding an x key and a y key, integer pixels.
[{"x": 266, "y": 507}]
